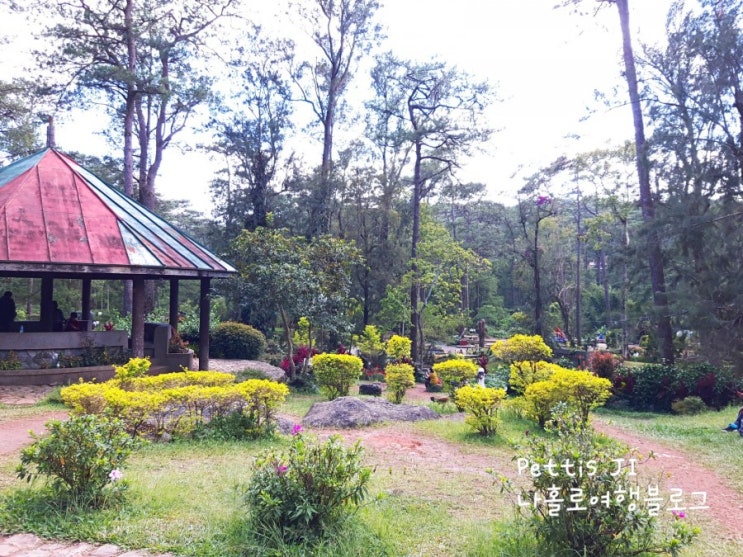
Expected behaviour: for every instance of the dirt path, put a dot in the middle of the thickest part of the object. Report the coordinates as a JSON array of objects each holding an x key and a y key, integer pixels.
[
  {"x": 680, "y": 470},
  {"x": 14, "y": 434}
]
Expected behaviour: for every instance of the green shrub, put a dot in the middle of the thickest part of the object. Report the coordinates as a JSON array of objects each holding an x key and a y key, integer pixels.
[
  {"x": 400, "y": 377},
  {"x": 455, "y": 373},
  {"x": 236, "y": 341},
  {"x": 336, "y": 373},
  {"x": 370, "y": 346},
  {"x": 689, "y": 406},
  {"x": 82, "y": 458},
  {"x": 481, "y": 405},
  {"x": 11, "y": 361},
  {"x": 655, "y": 387},
  {"x": 614, "y": 528},
  {"x": 307, "y": 491}
]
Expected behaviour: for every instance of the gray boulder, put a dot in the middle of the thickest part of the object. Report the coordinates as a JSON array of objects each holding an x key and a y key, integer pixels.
[
  {"x": 349, "y": 412},
  {"x": 272, "y": 372}
]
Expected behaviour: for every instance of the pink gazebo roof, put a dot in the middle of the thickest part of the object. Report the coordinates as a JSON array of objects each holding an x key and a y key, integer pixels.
[{"x": 56, "y": 216}]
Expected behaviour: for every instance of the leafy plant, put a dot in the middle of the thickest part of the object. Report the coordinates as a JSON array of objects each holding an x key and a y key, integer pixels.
[
  {"x": 336, "y": 373},
  {"x": 370, "y": 345},
  {"x": 616, "y": 527},
  {"x": 307, "y": 491},
  {"x": 11, "y": 361},
  {"x": 399, "y": 377},
  {"x": 82, "y": 457},
  {"x": 481, "y": 405},
  {"x": 603, "y": 363},
  {"x": 133, "y": 369},
  {"x": 689, "y": 406},
  {"x": 237, "y": 341}
]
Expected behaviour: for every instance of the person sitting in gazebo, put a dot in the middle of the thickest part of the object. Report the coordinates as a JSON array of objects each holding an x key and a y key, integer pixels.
[
  {"x": 58, "y": 323},
  {"x": 7, "y": 312},
  {"x": 73, "y": 323}
]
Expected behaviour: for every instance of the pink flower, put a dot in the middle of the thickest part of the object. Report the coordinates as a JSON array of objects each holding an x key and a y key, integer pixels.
[
  {"x": 280, "y": 469},
  {"x": 543, "y": 200},
  {"x": 679, "y": 514},
  {"x": 297, "y": 429},
  {"x": 115, "y": 475}
]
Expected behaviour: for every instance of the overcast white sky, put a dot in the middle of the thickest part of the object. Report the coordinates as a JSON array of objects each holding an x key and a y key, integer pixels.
[{"x": 545, "y": 64}]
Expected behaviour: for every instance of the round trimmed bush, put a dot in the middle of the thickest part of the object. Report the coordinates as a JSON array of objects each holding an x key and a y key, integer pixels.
[
  {"x": 236, "y": 341},
  {"x": 336, "y": 373}
]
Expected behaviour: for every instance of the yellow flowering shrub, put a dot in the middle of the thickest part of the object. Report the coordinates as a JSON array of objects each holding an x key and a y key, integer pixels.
[
  {"x": 581, "y": 390},
  {"x": 84, "y": 398},
  {"x": 398, "y": 348},
  {"x": 519, "y": 348},
  {"x": 399, "y": 377},
  {"x": 481, "y": 405},
  {"x": 526, "y": 372},
  {"x": 455, "y": 373},
  {"x": 336, "y": 373},
  {"x": 177, "y": 401}
]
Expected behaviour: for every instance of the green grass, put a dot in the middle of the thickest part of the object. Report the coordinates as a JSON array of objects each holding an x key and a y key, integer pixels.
[
  {"x": 700, "y": 435},
  {"x": 186, "y": 498}
]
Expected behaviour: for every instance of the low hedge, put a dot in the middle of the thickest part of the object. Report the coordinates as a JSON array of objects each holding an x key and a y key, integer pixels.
[{"x": 176, "y": 403}]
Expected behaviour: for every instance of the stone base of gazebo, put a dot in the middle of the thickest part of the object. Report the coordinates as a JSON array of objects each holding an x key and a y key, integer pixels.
[{"x": 63, "y": 376}]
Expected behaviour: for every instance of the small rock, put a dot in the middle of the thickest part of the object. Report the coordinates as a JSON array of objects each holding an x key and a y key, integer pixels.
[{"x": 372, "y": 389}]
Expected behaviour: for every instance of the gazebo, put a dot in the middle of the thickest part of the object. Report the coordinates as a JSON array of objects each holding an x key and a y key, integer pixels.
[{"x": 60, "y": 221}]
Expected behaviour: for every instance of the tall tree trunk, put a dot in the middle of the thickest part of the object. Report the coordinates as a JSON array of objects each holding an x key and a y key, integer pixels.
[
  {"x": 129, "y": 113},
  {"x": 538, "y": 311},
  {"x": 415, "y": 321},
  {"x": 655, "y": 256}
]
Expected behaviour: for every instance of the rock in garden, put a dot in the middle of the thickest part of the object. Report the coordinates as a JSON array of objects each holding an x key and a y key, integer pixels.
[
  {"x": 349, "y": 412},
  {"x": 373, "y": 389},
  {"x": 273, "y": 373}
]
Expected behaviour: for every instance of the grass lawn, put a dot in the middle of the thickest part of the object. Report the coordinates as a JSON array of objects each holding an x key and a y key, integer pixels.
[{"x": 187, "y": 497}]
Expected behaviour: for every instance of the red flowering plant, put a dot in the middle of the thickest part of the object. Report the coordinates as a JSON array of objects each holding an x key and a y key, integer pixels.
[
  {"x": 375, "y": 373},
  {"x": 303, "y": 353}
]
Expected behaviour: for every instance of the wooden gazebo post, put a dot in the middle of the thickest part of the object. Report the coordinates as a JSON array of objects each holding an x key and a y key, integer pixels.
[
  {"x": 174, "y": 314},
  {"x": 204, "y": 313},
  {"x": 138, "y": 317}
]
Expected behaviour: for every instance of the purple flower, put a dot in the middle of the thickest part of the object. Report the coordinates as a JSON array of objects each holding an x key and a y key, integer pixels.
[
  {"x": 679, "y": 514},
  {"x": 280, "y": 469},
  {"x": 115, "y": 475},
  {"x": 543, "y": 200},
  {"x": 297, "y": 429}
]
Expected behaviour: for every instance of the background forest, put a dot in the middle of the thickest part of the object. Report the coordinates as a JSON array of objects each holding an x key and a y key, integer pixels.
[{"x": 346, "y": 208}]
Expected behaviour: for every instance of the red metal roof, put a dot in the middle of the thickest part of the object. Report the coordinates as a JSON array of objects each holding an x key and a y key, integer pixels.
[{"x": 53, "y": 212}]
